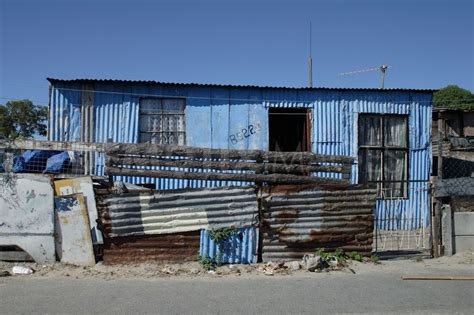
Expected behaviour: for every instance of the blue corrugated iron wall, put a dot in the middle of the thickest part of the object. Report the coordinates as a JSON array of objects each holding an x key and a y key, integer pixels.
[
  {"x": 65, "y": 113},
  {"x": 215, "y": 113},
  {"x": 335, "y": 132},
  {"x": 239, "y": 248}
]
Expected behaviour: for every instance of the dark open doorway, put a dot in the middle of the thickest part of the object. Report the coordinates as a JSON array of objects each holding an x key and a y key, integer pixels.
[{"x": 289, "y": 129}]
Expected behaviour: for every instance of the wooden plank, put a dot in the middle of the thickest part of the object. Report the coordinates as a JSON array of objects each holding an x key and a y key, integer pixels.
[
  {"x": 467, "y": 278},
  {"x": 74, "y": 242},
  {"x": 52, "y": 145},
  {"x": 195, "y": 152},
  {"x": 87, "y": 124},
  {"x": 461, "y": 155},
  {"x": 257, "y": 178},
  {"x": 227, "y": 165}
]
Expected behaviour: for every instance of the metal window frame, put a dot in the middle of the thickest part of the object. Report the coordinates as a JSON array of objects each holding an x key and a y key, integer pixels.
[
  {"x": 162, "y": 112},
  {"x": 383, "y": 148}
]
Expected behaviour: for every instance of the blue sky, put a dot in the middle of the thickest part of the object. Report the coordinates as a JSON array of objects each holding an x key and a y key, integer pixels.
[{"x": 429, "y": 44}]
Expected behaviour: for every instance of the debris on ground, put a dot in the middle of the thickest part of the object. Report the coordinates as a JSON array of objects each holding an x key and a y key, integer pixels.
[
  {"x": 270, "y": 268},
  {"x": 20, "y": 270},
  {"x": 459, "y": 278},
  {"x": 292, "y": 265},
  {"x": 4, "y": 273},
  {"x": 312, "y": 262}
]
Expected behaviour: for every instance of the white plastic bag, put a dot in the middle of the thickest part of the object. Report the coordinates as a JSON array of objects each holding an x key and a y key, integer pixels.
[{"x": 20, "y": 270}]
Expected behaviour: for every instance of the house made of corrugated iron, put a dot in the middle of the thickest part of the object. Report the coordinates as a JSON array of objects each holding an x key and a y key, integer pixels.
[{"x": 387, "y": 131}]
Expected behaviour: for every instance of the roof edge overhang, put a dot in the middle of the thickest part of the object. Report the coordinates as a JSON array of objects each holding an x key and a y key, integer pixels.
[{"x": 151, "y": 82}]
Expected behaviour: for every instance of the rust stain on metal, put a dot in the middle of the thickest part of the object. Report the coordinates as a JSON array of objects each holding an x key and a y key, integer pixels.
[
  {"x": 295, "y": 221},
  {"x": 288, "y": 189},
  {"x": 152, "y": 248},
  {"x": 177, "y": 211},
  {"x": 287, "y": 214}
]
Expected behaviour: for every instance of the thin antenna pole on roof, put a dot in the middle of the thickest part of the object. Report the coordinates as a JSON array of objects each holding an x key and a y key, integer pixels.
[
  {"x": 310, "y": 60},
  {"x": 383, "y": 69}
]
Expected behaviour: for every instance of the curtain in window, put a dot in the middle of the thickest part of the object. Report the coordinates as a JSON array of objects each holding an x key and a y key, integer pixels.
[
  {"x": 370, "y": 166},
  {"x": 369, "y": 130},
  {"x": 394, "y": 173},
  {"x": 395, "y": 131},
  {"x": 383, "y": 153}
]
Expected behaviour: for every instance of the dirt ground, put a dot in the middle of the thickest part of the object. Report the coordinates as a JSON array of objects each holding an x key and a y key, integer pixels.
[{"x": 461, "y": 261}]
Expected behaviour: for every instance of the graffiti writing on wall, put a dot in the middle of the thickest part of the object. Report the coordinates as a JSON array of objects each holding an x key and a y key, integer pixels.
[{"x": 245, "y": 133}]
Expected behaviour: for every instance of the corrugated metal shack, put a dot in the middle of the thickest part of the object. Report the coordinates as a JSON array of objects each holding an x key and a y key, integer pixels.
[
  {"x": 325, "y": 121},
  {"x": 386, "y": 132}
]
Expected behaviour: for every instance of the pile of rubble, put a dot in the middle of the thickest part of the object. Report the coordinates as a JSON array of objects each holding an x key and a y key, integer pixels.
[{"x": 311, "y": 263}]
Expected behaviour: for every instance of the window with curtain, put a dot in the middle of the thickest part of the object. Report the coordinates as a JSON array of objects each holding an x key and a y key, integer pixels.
[
  {"x": 162, "y": 121},
  {"x": 383, "y": 154}
]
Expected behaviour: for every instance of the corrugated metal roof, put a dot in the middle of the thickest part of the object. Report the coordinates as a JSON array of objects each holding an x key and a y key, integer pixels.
[{"x": 191, "y": 84}]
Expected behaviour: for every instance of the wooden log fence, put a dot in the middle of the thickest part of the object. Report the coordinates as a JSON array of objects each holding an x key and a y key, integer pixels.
[
  {"x": 213, "y": 164},
  {"x": 242, "y": 177},
  {"x": 147, "y": 149},
  {"x": 126, "y": 159},
  {"x": 260, "y": 168}
]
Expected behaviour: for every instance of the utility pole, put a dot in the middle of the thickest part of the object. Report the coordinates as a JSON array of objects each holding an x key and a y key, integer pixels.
[
  {"x": 310, "y": 60},
  {"x": 383, "y": 69}
]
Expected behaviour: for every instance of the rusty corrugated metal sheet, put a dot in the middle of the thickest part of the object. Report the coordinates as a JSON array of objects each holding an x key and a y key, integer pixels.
[
  {"x": 147, "y": 248},
  {"x": 178, "y": 211},
  {"x": 296, "y": 223}
]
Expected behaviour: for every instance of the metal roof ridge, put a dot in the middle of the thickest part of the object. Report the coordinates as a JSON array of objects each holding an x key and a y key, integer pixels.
[{"x": 52, "y": 80}]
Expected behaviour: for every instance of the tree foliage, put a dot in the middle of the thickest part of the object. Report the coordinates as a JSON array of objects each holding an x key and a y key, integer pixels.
[
  {"x": 454, "y": 97},
  {"x": 22, "y": 119}
]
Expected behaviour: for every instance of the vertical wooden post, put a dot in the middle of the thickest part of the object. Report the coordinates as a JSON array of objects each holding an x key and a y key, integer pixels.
[
  {"x": 8, "y": 162},
  {"x": 436, "y": 223},
  {"x": 106, "y": 157},
  {"x": 87, "y": 120}
]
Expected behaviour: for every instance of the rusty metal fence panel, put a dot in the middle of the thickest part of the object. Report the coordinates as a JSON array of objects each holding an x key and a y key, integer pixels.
[
  {"x": 178, "y": 211},
  {"x": 177, "y": 247},
  {"x": 300, "y": 222}
]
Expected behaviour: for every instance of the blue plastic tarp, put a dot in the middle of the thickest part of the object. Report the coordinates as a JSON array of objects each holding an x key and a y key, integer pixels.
[
  {"x": 32, "y": 161},
  {"x": 58, "y": 163}
]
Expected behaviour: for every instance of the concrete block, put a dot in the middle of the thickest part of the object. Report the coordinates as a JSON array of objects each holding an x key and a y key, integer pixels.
[
  {"x": 447, "y": 230},
  {"x": 27, "y": 215},
  {"x": 464, "y": 223},
  {"x": 464, "y": 243}
]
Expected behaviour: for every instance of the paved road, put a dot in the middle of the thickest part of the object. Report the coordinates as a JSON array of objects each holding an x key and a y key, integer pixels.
[{"x": 304, "y": 293}]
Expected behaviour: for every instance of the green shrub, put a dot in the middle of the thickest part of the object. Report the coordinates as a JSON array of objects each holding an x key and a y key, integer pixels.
[
  {"x": 375, "y": 259},
  {"x": 207, "y": 263}
]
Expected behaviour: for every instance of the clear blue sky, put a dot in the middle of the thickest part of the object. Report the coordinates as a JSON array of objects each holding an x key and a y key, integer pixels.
[{"x": 428, "y": 43}]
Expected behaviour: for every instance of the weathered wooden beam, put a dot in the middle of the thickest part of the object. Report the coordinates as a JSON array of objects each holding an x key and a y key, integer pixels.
[
  {"x": 436, "y": 277},
  {"x": 258, "y": 155},
  {"x": 51, "y": 145},
  {"x": 257, "y": 178},
  {"x": 227, "y": 165},
  {"x": 460, "y": 155}
]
